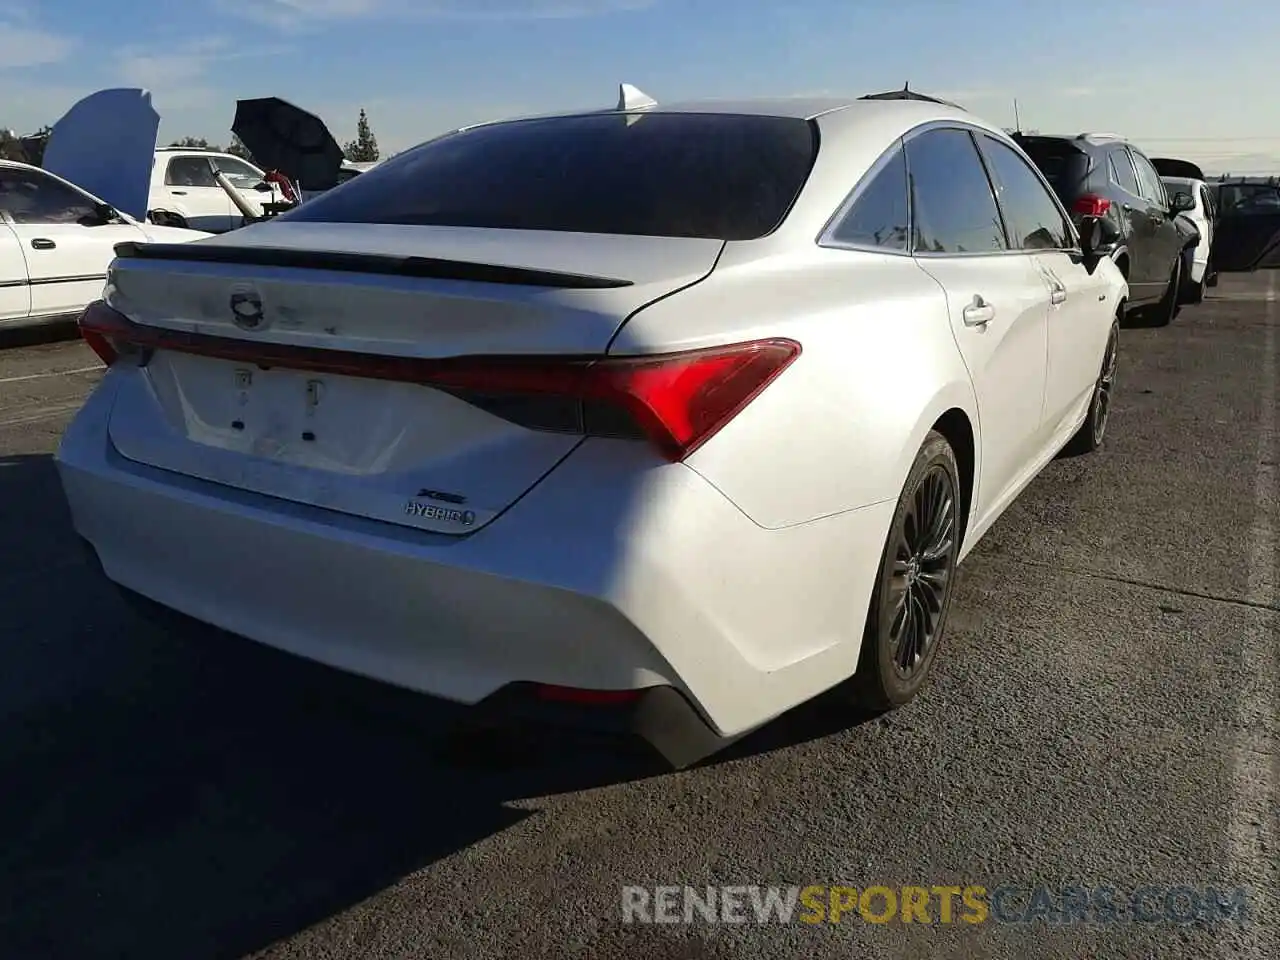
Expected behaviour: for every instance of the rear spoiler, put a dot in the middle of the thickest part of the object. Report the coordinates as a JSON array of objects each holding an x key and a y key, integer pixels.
[
  {"x": 369, "y": 263},
  {"x": 1171, "y": 167}
]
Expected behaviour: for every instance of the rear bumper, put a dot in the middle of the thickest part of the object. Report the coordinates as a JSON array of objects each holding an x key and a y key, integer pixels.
[
  {"x": 660, "y": 717},
  {"x": 609, "y": 575}
]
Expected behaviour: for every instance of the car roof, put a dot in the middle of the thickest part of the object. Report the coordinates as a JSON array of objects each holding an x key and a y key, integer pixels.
[
  {"x": 798, "y": 108},
  {"x": 1086, "y": 139}
]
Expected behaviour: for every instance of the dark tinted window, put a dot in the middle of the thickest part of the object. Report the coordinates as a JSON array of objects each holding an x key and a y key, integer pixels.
[
  {"x": 1064, "y": 166},
  {"x": 719, "y": 176},
  {"x": 1206, "y": 201},
  {"x": 1030, "y": 212},
  {"x": 189, "y": 172},
  {"x": 1249, "y": 199},
  {"x": 878, "y": 217},
  {"x": 953, "y": 209},
  {"x": 1122, "y": 171},
  {"x": 1148, "y": 180}
]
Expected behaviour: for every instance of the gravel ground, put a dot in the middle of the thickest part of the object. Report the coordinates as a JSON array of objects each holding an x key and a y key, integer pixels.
[{"x": 1104, "y": 714}]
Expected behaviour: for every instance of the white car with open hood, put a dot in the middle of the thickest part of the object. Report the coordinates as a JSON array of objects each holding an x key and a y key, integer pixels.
[
  {"x": 667, "y": 418},
  {"x": 56, "y": 242}
]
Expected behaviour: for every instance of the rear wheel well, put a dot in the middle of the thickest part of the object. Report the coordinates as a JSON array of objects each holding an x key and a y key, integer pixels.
[{"x": 955, "y": 426}]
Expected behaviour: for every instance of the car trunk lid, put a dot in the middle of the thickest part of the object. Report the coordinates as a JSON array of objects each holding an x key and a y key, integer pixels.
[{"x": 281, "y": 358}]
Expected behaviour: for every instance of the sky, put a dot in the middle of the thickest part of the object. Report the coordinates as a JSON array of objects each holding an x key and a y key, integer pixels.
[{"x": 1179, "y": 78}]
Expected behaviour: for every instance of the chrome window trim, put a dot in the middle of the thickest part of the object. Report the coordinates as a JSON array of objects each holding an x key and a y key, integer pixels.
[
  {"x": 1058, "y": 205},
  {"x": 973, "y": 129},
  {"x": 826, "y": 240}
]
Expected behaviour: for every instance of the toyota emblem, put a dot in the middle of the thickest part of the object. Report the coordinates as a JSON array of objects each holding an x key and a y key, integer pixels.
[{"x": 246, "y": 310}]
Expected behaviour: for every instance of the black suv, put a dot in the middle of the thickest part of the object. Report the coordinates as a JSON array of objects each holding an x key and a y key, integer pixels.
[
  {"x": 1104, "y": 176},
  {"x": 1247, "y": 233}
]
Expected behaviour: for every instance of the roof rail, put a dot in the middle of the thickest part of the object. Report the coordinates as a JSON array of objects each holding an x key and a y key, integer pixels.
[{"x": 1099, "y": 136}]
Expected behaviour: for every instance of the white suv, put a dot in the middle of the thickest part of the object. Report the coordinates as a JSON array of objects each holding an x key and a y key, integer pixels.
[{"x": 185, "y": 194}]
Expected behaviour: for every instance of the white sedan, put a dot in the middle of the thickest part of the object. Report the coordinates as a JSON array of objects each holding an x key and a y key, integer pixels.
[
  {"x": 56, "y": 242},
  {"x": 672, "y": 417}
]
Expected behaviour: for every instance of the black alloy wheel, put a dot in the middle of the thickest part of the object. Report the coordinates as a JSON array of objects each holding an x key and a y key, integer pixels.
[{"x": 913, "y": 591}]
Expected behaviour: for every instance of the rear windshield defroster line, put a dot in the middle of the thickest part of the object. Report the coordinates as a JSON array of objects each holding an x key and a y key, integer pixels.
[{"x": 708, "y": 176}]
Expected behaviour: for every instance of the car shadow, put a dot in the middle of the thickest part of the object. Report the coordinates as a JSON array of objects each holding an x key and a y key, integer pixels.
[
  {"x": 13, "y": 338},
  {"x": 203, "y": 797}
]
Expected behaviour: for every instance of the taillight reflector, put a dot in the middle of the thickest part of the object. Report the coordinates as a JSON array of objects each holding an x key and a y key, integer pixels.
[
  {"x": 557, "y": 694},
  {"x": 1092, "y": 205},
  {"x": 678, "y": 400}
]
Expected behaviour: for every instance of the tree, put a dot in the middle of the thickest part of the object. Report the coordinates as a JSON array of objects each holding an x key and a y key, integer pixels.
[
  {"x": 11, "y": 146},
  {"x": 24, "y": 149},
  {"x": 238, "y": 149},
  {"x": 364, "y": 148},
  {"x": 196, "y": 143}
]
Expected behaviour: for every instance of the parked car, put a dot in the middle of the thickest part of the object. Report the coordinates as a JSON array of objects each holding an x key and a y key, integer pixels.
[
  {"x": 1197, "y": 269},
  {"x": 185, "y": 193},
  {"x": 56, "y": 242},
  {"x": 350, "y": 170},
  {"x": 1106, "y": 177},
  {"x": 107, "y": 143},
  {"x": 668, "y": 417},
  {"x": 1248, "y": 227}
]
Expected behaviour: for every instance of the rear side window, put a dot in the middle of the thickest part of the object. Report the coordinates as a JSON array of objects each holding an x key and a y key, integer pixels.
[
  {"x": 1122, "y": 171},
  {"x": 1206, "y": 201},
  {"x": 1149, "y": 180},
  {"x": 953, "y": 208},
  {"x": 189, "y": 172},
  {"x": 717, "y": 176},
  {"x": 878, "y": 217}
]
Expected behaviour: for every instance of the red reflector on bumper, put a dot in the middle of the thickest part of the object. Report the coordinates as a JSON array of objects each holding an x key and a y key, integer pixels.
[{"x": 548, "y": 691}]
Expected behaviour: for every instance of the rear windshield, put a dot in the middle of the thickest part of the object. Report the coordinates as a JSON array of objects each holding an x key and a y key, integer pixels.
[
  {"x": 1063, "y": 165},
  {"x": 717, "y": 176}
]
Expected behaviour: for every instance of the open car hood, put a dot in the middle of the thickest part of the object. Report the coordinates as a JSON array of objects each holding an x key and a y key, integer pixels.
[
  {"x": 1170, "y": 167},
  {"x": 106, "y": 144}
]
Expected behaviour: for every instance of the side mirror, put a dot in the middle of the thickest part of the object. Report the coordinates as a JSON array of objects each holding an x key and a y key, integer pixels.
[
  {"x": 1098, "y": 236},
  {"x": 105, "y": 213},
  {"x": 1182, "y": 202},
  {"x": 263, "y": 187}
]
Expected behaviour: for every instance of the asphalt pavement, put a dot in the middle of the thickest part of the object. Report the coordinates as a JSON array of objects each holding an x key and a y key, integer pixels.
[{"x": 1104, "y": 714}]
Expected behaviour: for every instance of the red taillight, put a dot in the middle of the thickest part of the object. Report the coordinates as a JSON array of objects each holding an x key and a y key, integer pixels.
[
  {"x": 96, "y": 326},
  {"x": 677, "y": 400},
  {"x": 1092, "y": 205},
  {"x": 547, "y": 691}
]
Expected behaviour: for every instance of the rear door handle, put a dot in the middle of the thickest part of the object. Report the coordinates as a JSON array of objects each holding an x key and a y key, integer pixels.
[
  {"x": 979, "y": 313},
  {"x": 42, "y": 243},
  {"x": 178, "y": 193}
]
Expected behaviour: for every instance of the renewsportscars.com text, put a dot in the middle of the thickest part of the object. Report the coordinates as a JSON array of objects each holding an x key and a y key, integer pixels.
[{"x": 935, "y": 904}]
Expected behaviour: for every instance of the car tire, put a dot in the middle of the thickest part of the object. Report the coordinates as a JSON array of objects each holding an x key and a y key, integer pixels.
[
  {"x": 1093, "y": 431},
  {"x": 914, "y": 585},
  {"x": 1164, "y": 312}
]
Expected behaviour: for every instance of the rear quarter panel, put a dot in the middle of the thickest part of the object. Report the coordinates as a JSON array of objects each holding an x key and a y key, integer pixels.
[{"x": 840, "y": 427}]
